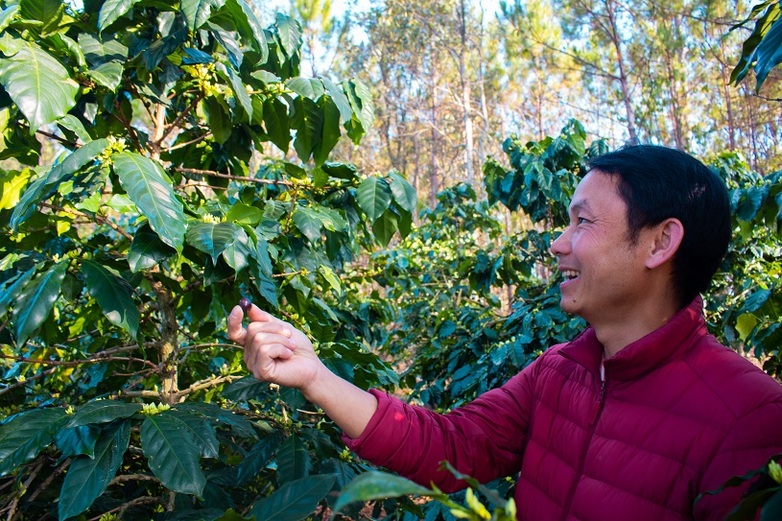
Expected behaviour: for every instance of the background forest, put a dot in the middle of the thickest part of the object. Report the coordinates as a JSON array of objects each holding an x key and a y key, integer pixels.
[{"x": 386, "y": 177}]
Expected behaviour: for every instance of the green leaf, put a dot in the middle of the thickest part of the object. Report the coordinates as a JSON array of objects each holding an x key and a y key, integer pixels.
[
  {"x": 47, "y": 185},
  {"x": 150, "y": 189},
  {"x": 373, "y": 197},
  {"x": 147, "y": 250},
  {"x": 220, "y": 122},
  {"x": 340, "y": 100},
  {"x": 240, "y": 92},
  {"x": 249, "y": 27},
  {"x": 77, "y": 441},
  {"x": 241, "y": 213},
  {"x": 36, "y": 301},
  {"x": 275, "y": 119},
  {"x": 294, "y": 500},
  {"x": 26, "y": 435},
  {"x": 311, "y": 88},
  {"x": 330, "y": 277},
  {"x": 378, "y": 485},
  {"x": 212, "y": 238},
  {"x": 247, "y": 388},
  {"x": 11, "y": 291},
  {"x": 173, "y": 454},
  {"x": 7, "y": 15},
  {"x": 308, "y": 122},
  {"x": 102, "y": 411},
  {"x": 293, "y": 460},
  {"x": 385, "y": 228},
  {"x": 114, "y": 295},
  {"x": 111, "y": 10},
  {"x": 309, "y": 222},
  {"x": 38, "y": 84},
  {"x": 330, "y": 132},
  {"x": 88, "y": 478},
  {"x": 768, "y": 53},
  {"x": 772, "y": 510},
  {"x": 404, "y": 193},
  {"x": 49, "y": 12},
  {"x": 258, "y": 457},
  {"x": 106, "y": 60},
  {"x": 360, "y": 99},
  {"x": 201, "y": 431},
  {"x": 264, "y": 281},
  {"x": 289, "y": 34},
  {"x": 197, "y": 12}
]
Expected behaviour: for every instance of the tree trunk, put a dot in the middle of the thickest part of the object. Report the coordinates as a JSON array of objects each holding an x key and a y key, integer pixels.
[
  {"x": 434, "y": 175},
  {"x": 466, "y": 95},
  {"x": 620, "y": 62}
]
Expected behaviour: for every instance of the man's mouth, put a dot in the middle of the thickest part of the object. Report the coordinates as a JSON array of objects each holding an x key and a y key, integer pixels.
[{"x": 569, "y": 274}]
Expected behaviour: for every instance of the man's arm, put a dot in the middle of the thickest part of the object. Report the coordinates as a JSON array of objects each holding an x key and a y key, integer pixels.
[{"x": 276, "y": 352}]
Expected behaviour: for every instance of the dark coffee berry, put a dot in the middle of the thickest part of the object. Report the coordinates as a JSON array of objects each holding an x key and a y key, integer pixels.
[{"x": 245, "y": 304}]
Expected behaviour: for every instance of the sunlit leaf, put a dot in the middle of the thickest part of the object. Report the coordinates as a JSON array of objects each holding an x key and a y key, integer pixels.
[
  {"x": 197, "y": 12},
  {"x": 374, "y": 197},
  {"x": 404, "y": 193},
  {"x": 150, "y": 189},
  {"x": 60, "y": 172},
  {"x": 212, "y": 238},
  {"x": 378, "y": 485},
  {"x": 111, "y": 10},
  {"x": 289, "y": 33},
  {"x": 39, "y": 85}
]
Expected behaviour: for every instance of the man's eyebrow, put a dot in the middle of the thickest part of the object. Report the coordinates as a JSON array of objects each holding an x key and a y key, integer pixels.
[{"x": 580, "y": 205}]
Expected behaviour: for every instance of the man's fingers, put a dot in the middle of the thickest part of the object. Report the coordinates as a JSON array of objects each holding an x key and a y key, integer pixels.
[
  {"x": 235, "y": 330},
  {"x": 262, "y": 361},
  {"x": 255, "y": 314},
  {"x": 260, "y": 333}
]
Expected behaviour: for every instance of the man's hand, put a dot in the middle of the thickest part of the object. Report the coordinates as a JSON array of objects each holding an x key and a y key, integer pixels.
[
  {"x": 277, "y": 352},
  {"x": 274, "y": 351}
]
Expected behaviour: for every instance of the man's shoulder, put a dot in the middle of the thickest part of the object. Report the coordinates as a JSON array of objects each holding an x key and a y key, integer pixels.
[{"x": 737, "y": 381}]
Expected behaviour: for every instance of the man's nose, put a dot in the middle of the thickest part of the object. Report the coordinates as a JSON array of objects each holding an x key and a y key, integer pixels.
[{"x": 560, "y": 245}]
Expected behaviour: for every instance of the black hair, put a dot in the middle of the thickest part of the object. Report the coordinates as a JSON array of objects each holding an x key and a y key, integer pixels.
[{"x": 658, "y": 183}]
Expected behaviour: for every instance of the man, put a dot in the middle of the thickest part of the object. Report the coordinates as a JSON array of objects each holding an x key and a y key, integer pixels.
[{"x": 633, "y": 419}]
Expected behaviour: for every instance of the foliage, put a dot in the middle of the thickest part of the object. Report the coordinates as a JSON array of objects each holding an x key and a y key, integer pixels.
[
  {"x": 745, "y": 302},
  {"x": 762, "y": 51},
  {"x": 450, "y": 278},
  {"x": 378, "y": 485},
  {"x": 132, "y": 221}
]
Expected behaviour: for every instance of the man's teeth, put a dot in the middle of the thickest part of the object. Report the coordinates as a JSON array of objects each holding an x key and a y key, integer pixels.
[{"x": 570, "y": 274}]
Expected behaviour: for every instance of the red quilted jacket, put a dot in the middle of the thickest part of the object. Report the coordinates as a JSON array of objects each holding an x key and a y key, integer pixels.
[{"x": 677, "y": 415}]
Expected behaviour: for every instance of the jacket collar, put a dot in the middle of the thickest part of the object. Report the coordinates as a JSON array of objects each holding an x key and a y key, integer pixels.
[{"x": 645, "y": 354}]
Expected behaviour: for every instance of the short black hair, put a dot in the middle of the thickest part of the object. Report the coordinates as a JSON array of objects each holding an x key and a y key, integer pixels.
[{"x": 658, "y": 183}]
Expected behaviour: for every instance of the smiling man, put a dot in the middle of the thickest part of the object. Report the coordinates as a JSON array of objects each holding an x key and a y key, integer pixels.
[{"x": 636, "y": 417}]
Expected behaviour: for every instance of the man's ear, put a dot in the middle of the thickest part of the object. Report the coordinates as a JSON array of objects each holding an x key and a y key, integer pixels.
[{"x": 665, "y": 241}]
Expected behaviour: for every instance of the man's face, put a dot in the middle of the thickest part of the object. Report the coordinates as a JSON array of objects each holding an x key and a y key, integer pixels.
[{"x": 604, "y": 273}]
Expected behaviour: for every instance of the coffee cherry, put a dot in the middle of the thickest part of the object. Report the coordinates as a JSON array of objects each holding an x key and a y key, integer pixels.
[{"x": 245, "y": 304}]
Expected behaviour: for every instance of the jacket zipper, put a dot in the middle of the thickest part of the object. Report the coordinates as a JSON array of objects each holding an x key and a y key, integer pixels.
[{"x": 597, "y": 410}]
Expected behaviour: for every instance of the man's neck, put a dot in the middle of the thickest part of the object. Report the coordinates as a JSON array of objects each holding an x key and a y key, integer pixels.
[{"x": 617, "y": 335}]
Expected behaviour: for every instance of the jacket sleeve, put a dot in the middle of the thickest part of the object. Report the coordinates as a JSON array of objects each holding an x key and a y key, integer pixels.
[
  {"x": 484, "y": 439},
  {"x": 756, "y": 438}
]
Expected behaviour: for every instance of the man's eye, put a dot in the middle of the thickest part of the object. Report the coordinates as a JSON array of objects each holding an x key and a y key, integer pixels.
[{"x": 582, "y": 220}]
